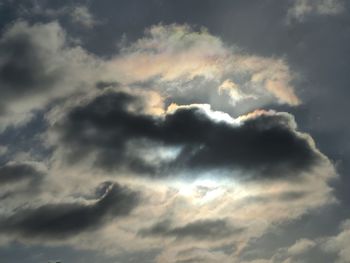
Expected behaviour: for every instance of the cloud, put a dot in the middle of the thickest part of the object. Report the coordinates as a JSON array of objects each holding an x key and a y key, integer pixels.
[
  {"x": 339, "y": 243},
  {"x": 77, "y": 13},
  {"x": 118, "y": 117},
  {"x": 60, "y": 220},
  {"x": 12, "y": 173},
  {"x": 233, "y": 90},
  {"x": 200, "y": 229},
  {"x": 175, "y": 56},
  {"x": 265, "y": 143},
  {"x": 3, "y": 150},
  {"x": 194, "y": 255},
  {"x": 300, "y": 251},
  {"x": 38, "y": 65},
  {"x": 301, "y": 246},
  {"x": 81, "y": 15},
  {"x": 304, "y": 8},
  {"x": 42, "y": 64},
  {"x": 261, "y": 169}
]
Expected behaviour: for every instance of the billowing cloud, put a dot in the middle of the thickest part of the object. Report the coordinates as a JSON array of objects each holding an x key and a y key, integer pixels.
[
  {"x": 263, "y": 143},
  {"x": 195, "y": 166},
  {"x": 205, "y": 175}
]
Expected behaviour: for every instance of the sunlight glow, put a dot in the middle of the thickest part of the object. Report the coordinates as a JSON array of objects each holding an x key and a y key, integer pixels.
[{"x": 202, "y": 190}]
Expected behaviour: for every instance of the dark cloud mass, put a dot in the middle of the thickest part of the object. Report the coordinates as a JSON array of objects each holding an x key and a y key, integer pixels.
[
  {"x": 17, "y": 172},
  {"x": 267, "y": 144},
  {"x": 61, "y": 220},
  {"x": 200, "y": 229}
]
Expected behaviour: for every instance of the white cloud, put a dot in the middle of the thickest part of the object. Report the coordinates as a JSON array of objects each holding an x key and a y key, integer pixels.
[
  {"x": 83, "y": 16},
  {"x": 340, "y": 243},
  {"x": 303, "y": 8},
  {"x": 301, "y": 246},
  {"x": 173, "y": 56}
]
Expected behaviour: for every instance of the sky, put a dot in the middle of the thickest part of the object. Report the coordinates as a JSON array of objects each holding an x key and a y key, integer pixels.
[{"x": 174, "y": 131}]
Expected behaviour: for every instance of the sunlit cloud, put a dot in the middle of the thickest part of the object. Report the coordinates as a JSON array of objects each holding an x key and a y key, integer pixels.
[{"x": 127, "y": 166}]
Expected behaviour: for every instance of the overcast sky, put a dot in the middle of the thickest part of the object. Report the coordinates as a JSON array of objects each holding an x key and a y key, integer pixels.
[{"x": 174, "y": 131}]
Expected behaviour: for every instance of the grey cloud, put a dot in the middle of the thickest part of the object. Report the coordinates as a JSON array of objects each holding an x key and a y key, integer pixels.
[
  {"x": 290, "y": 196},
  {"x": 12, "y": 173},
  {"x": 200, "y": 229},
  {"x": 26, "y": 59},
  {"x": 61, "y": 220},
  {"x": 265, "y": 144},
  {"x": 38, "y": 64}
]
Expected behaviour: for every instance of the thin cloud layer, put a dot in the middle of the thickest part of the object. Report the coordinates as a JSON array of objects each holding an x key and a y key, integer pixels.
[{"x": 201, "y": 229}]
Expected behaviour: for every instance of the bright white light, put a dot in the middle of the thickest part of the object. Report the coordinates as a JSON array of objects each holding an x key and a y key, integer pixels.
[
  {"x": 214, "y": 187},
  {"x": 201, "y": 190}
]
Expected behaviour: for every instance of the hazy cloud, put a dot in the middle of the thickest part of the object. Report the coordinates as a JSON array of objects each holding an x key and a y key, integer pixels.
[{"x": 201, "y": 229}]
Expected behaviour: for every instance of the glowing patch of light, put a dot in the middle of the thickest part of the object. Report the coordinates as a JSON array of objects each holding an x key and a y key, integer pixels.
[
  {"x": 214, "y": 187},
  {"x": 201, "y": 190},
  {"x": 159, "y": 154},
  {"x": 206, "y": 108}
]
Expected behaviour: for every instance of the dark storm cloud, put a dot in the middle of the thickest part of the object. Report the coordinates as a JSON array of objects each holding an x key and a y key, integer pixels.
[
  {"x": 11, "y": 173},
  {"x": 65, "y": 219},
  {"x": 266, "y": 144},
  {"x": 200, "y": 229}
]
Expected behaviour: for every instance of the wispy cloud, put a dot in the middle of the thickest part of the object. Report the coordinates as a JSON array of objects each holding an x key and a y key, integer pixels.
[{"x": 301, "y": 9}]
